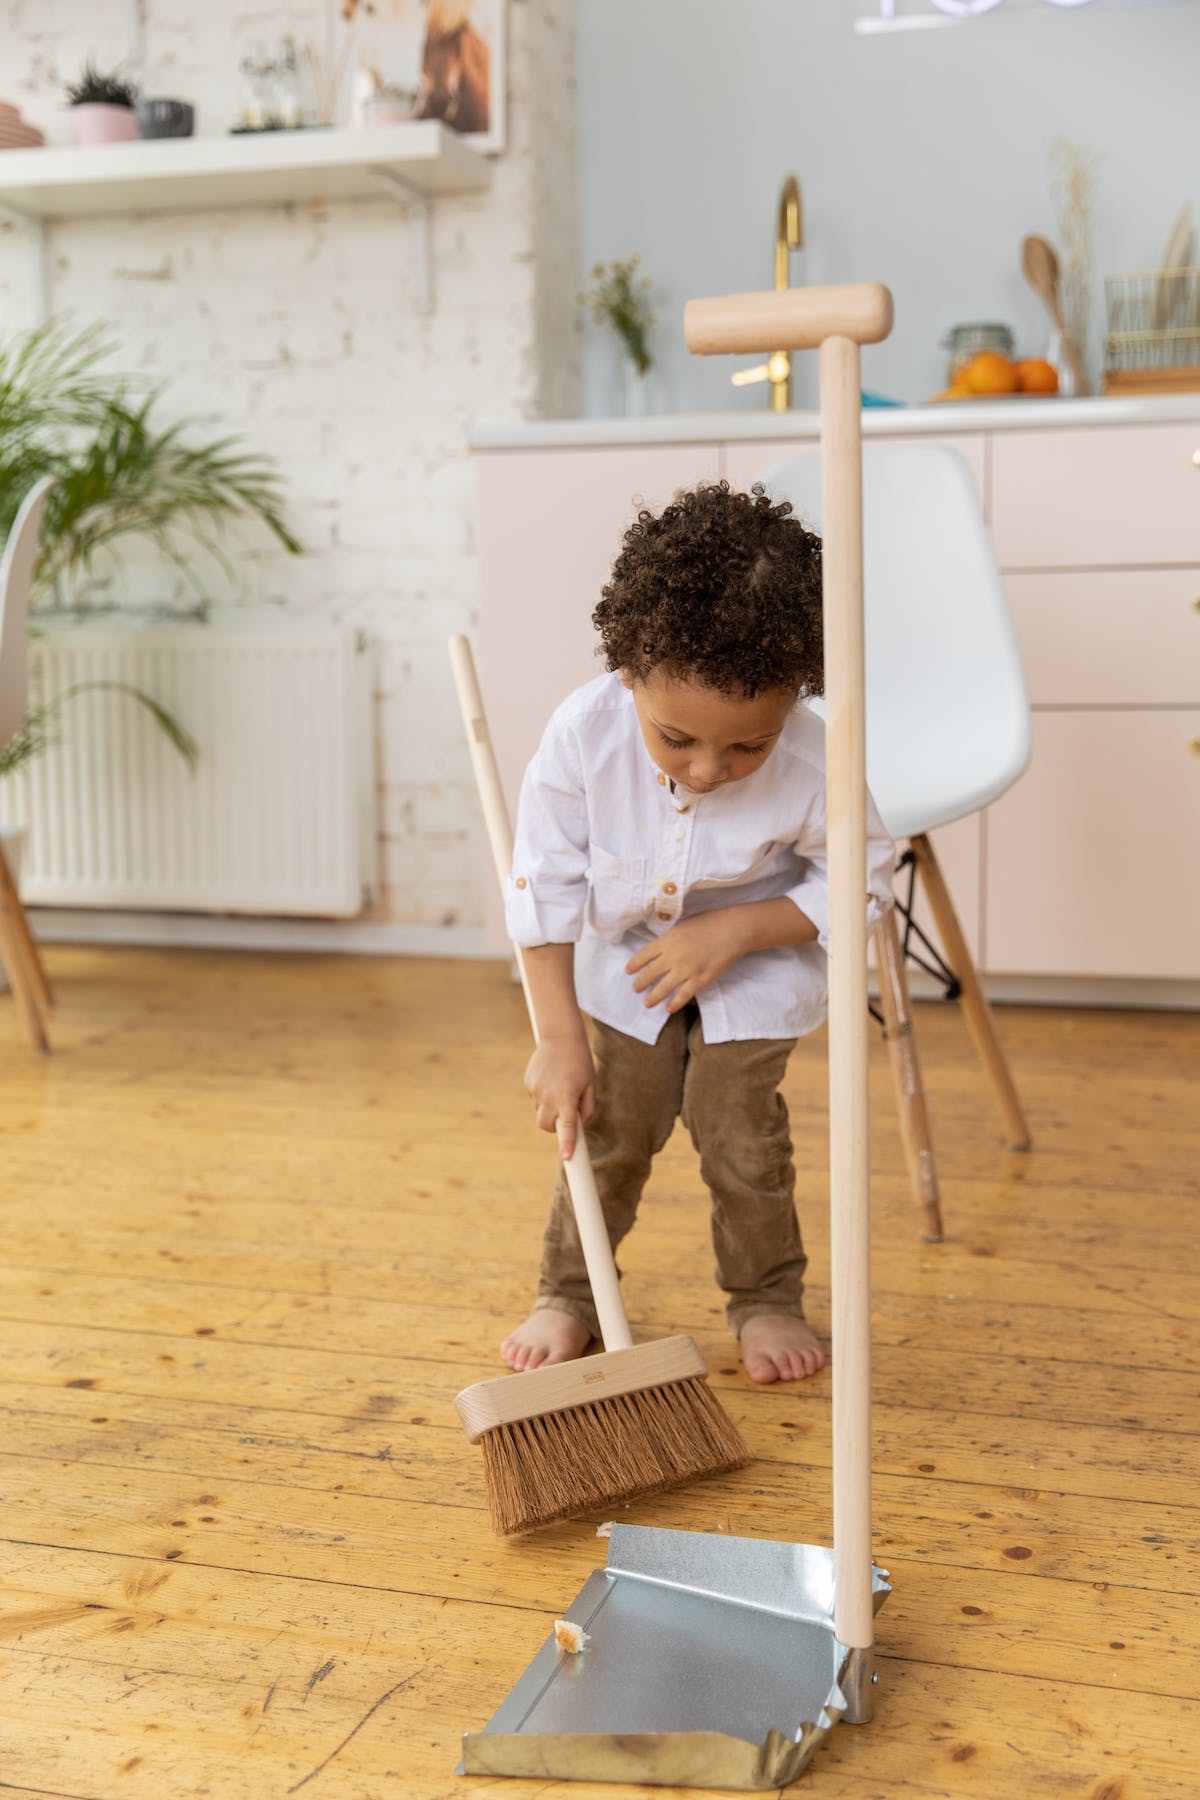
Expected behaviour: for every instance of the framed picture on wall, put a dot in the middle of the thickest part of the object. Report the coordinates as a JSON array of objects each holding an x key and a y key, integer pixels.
[{"x": 422, "y": 59}]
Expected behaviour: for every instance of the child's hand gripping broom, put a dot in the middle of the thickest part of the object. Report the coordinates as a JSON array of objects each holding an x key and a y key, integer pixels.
[{"x": 562, "y": 1441}]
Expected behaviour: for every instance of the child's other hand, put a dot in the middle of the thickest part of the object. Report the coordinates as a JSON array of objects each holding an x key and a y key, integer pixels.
[
  {"x": 683, "y": 961},
  {"x": 561, "y": 1081}
]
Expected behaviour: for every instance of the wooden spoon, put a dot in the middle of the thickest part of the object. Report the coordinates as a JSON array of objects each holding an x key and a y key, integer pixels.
[{"x": 1040, "y": 266}]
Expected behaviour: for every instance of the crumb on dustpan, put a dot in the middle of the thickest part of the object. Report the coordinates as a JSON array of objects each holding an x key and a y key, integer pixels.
[{"x": 568, "y": 1637}]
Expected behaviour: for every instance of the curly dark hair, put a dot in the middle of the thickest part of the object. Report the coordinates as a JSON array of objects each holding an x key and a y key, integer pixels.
[{"x": 720, "y": 588}]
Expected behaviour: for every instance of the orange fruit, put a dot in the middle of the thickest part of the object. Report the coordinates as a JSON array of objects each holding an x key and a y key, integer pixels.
[
  {"x": 956, "y": 392},
  {"x": 989, "y": 373},
  {"x": 1036, "y": 376}
]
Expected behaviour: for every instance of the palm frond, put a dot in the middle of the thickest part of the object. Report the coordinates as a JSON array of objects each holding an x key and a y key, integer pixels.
[
  {"x": 118, "y": 473},
  {"x": 177, "y": 732},
  {"x": 37, "y": 730},
  {"x": 29, "y": 741}
]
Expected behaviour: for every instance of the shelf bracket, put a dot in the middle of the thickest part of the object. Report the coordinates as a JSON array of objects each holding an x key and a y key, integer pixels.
[
  {"x": 421, "y": 211},
  {"x": 37, "y": 238}
]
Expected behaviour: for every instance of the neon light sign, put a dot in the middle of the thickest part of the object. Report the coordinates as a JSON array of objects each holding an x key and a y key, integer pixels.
[{"x": 947, "y": 12}]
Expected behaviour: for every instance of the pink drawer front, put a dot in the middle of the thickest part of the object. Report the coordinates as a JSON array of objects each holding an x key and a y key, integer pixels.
[
  {"x": 1093, "y": 859},
  {"x": 1103, "y": 637},
  {"x": 1125, "y": 494}
]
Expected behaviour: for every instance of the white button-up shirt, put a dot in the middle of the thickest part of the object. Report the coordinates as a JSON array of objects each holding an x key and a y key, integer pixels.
[{"x": 609, "y": 854}]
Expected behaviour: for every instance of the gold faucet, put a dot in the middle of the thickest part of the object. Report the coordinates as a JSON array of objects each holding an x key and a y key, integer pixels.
[{"x": 789, "y": 236}]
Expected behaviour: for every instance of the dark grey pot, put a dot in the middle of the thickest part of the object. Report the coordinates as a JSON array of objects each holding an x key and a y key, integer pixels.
[{"x": 165, "y": 118}]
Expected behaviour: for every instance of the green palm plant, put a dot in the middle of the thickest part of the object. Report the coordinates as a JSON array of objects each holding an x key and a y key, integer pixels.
[{"x": 118, "y": 476}]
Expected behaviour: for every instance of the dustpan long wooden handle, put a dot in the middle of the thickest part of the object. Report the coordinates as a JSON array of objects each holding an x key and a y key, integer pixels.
[
  {"x": 849, "y": 1174},
  {"x": 837, "y": 320},
  {"x": 581, "y": 1182}
]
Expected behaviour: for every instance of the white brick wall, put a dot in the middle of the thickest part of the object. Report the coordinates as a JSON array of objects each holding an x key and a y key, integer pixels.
[{"x": 296, "y": 327}]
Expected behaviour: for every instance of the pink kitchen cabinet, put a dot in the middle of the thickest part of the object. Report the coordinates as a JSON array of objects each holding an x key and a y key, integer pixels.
[
  {"x": 1092, "y": 860},
  {"x": 1086, "y": 871}
]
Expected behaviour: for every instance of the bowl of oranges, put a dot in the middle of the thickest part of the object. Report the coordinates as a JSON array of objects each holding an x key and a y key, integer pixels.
[{"x": 990, "y": 374}]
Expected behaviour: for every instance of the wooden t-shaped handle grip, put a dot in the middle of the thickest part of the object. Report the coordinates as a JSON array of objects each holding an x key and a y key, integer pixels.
[{"x": 787, "y": 319}]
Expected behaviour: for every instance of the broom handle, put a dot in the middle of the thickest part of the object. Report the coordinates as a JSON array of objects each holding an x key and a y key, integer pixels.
[{"x": 581, "y": 1182}]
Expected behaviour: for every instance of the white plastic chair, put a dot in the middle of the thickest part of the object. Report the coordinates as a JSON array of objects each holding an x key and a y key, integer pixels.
[
  {"x": 18, "y": 948},
  {"x": 947, "y": 722}
]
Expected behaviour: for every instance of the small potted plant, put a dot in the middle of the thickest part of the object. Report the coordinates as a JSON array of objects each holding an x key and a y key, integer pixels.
[
  {"x": 619, "y": 299},
  {"x": 102, "y": 108}
]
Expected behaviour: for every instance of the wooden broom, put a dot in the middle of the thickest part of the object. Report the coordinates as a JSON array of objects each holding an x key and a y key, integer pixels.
[{"x": 559, "y": 1442}]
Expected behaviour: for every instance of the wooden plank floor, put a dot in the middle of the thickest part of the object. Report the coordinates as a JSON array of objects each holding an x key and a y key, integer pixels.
[{"x": 263, "y": 1218}]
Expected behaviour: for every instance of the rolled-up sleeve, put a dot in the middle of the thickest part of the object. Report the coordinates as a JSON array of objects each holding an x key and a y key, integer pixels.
[
  {"x": 546, "y": 895},
  {"x": 811, "y": 892}
]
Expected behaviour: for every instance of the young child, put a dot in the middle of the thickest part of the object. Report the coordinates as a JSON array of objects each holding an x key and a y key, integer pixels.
[{"x": 669, "y": 881}]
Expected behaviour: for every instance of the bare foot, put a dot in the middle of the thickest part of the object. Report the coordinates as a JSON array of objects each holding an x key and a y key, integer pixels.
[
  {"x": 776, "y": 1347},
  {"x": 547, "y": 1336}
]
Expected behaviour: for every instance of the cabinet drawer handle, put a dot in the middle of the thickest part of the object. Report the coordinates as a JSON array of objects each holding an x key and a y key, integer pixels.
[
  {"x": 1194, "y": 746},
  {"x": 1196, "y": 458}
]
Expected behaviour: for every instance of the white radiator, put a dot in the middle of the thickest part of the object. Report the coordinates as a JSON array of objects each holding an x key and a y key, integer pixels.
[{"x": 276, "y": 816}]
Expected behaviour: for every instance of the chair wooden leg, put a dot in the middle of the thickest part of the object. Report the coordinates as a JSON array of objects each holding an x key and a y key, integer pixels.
[
  {"x": 15, "y": 957},
  {"x": 906, "y": 1067},
  {"x": 976, "y": 1010},
  {"x": 29, "y": 944}
]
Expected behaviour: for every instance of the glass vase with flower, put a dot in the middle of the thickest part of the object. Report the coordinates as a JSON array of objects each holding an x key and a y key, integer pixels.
[{"x": 619, "y": 299}]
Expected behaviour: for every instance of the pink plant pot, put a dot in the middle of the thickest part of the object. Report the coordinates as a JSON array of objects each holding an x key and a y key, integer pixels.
[{"x": 95, "y": 123}]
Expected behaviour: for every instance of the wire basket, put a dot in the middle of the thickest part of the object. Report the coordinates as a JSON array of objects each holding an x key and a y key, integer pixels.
[{"x": 1153, "y": 342}]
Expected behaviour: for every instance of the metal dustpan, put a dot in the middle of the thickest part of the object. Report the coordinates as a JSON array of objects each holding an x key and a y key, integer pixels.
[
  {"x": 710, "y": 1662},
  {"x": 717, "y": 1661}
]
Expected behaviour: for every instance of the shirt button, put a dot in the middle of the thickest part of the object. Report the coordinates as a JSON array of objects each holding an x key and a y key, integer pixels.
[
  {"x": 662, "y": 781},
  {"x": 668, "y": 887},
  {"x": 683, "y": 809},
  {"x": 664, "y": 915},
  {"x": 521, "y": 881}
]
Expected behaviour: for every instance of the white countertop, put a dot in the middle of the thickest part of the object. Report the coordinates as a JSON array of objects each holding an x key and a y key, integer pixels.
[{"x": 952, "y": 416}]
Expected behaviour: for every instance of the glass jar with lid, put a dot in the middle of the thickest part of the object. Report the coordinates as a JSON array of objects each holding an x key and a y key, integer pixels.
[{"x": 964, "y": 342}]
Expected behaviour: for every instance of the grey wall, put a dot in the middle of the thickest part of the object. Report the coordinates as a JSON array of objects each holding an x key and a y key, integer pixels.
[{"x": 924, "y": 159}]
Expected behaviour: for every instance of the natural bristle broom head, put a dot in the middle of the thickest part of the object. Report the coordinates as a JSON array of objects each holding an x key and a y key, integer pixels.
[{"x": 556, "y": 1448}]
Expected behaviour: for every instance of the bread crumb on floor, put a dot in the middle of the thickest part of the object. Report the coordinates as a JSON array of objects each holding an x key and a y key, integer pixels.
[{"x": 568, "y": 1637}]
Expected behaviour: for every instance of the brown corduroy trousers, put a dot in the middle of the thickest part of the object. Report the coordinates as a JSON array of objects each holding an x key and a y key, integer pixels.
[{"x": 728, "y": 1098}]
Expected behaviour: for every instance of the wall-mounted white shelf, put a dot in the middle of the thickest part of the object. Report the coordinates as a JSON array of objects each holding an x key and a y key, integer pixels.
[
  {"x": 417, "y": 160},
  {"x": 60, "y": 182}
]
